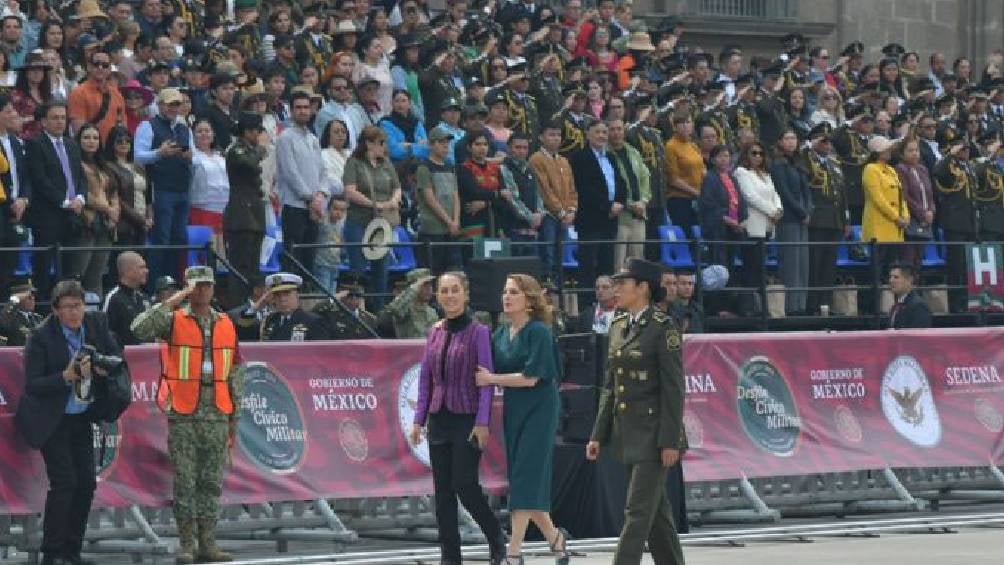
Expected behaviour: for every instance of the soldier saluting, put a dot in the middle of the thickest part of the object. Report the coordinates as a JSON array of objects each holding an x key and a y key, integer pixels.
[
  {"x": 644, "y": 386},
  {"x": 17, "y": 317},
  {"x": 200, "y": 393},
  {"x": 289, "y": 322}
]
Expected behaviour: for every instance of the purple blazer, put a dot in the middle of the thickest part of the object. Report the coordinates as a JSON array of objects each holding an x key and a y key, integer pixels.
[
  {"x": 917, "y": 189},
  {"x": 455, "y": 389}
]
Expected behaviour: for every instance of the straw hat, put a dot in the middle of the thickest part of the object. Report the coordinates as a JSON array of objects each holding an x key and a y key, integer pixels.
[
  {"x": 640, "y": 41},
  {"x": 89, "y": 9}
]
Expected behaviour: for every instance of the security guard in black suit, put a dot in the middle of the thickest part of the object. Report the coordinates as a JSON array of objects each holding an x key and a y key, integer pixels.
[
  {"x": 289, "y": 322},
  {"x": 829, "y": 216},
  {"x": 640, "y": 416},
  {"x": 17, "y": 317}
]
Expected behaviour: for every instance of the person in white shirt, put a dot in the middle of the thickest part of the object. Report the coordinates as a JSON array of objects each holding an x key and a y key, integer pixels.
[
  {"x": 210, "y": 188},
  {"x": 341, "y": 106},
  {"x": 764, "y": 210},
  {"x": 598, "y": 317}
]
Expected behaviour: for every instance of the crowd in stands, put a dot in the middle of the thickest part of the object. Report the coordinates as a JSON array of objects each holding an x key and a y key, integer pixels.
[{"x": 131, "y": 122}]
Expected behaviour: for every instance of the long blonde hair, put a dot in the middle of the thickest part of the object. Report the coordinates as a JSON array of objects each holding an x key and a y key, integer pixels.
[{"x": 536, "y": 303}]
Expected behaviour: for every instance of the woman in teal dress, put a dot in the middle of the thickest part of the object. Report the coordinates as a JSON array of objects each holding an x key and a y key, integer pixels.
[{"x": 526, "y": 359}]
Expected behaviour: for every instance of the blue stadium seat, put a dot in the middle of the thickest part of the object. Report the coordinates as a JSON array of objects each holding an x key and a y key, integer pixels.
[
  {"x": 402, "y": 258},
  {"x": 674, "y": 249},
  {"x": 932, "y": 258},
  {"x": 695, "y": 230},
  {"x": 568, "y": 259},
  {"x": 200, "y": 236},
  {"x": 771, "y": 256},
  {"x": 844, "y": 259},
  {"x": 23, "y": 268}
]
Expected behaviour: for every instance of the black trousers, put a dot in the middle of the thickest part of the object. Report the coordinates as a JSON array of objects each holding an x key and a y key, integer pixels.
[
  {"x": 8, "y": 259},
  {"x": 681, "y": 213},
  {"x": 656, "y": 218},
  {"x": 455, "y": 475},
  {"x": 69, "y": 464},
  {"x": 595, "y": 259},
  {"x": 955, "y": 271},
  {"x": 822, "y": 267},
  {"x": 244, "y": 255},
  {"x": 297, "y": 227},
  {"x": 43, "y": 261}
]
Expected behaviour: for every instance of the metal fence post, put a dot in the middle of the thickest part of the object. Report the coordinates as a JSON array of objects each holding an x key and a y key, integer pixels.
[
  {"x": 58, "y": 249},
  {"x": 762, "y": 291},
  {"x": 876, "y": 268}
]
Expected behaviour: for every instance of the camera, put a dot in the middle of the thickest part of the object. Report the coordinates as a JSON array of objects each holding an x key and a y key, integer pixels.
[{"x": 107, "y": 363}]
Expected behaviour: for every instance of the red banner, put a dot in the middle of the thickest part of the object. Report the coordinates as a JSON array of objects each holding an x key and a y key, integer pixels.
[
  {"x": 318, "y": 421},
  {"x": 803, "y": 403},
  {"x": 330, "y": 420}
]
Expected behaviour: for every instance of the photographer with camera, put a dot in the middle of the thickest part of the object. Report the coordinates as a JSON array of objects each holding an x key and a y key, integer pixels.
[{"x": 63, "y": 358}]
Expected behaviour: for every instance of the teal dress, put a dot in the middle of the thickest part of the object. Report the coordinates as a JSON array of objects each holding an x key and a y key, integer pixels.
[{"x": 530, "y": 417}]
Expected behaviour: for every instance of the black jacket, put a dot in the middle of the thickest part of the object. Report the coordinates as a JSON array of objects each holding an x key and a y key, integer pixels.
[
  {"x": 48, "y": 184},
  {"x": 912, "y": 312},
  {"x": 593, "y": 215},
  {"x": 122, "y": 305},
  {"x": 45, "y": 392},
  {"x": 792, "y": 185},
  {"x": 714, "y": 205},
  {"x": 301, "y": 326}
]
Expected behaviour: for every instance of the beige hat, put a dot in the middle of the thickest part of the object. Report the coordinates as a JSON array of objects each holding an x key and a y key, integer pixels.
[
  {"x": 169, "y": 96},
  {"x": 880, "y": 143},
  {"x": 640, "y": 41},
  {"x": 89, "y": 9},
  {"x": 200, "y": 274},
  {"x": 346, "y": 26},
  {"x": 307, "y": 89}
]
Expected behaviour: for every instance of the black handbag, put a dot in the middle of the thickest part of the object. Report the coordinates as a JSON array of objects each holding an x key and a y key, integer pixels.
[
  {"x": 112, "y": 394},
  {"x": 916, "y": 230}
]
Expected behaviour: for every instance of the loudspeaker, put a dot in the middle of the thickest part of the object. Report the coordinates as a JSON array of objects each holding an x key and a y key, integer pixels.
[
  {"x": 582, "y": 357},
  {"x": 487, "y": 278},
  {"x": 578, "y": 413}
]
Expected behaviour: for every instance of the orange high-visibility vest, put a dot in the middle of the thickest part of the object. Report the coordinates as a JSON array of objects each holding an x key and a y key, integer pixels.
[{"x": 181, "y": 359}]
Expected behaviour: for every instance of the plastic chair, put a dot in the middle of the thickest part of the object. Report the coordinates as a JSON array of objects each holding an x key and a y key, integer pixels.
[
  {"x": 200, "y": 236},
  {"x": 932, "y": 259},
  {"x": 674, "y": 249},
  {"x": 570, "y": 247},
  {"x": 402, "y": 258},
  {"x": 23, "y": 268},
  {"x": 844, "y": 259},
  {"x": 771, "y": 259}
]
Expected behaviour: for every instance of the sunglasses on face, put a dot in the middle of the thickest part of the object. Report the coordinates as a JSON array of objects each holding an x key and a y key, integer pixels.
[
  {"x": 102, "y": 64},
  {"x": 756, "y": 153}
]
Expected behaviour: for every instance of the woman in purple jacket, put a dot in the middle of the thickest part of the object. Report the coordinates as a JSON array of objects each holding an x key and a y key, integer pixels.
[{"x": 454, "y": 414}]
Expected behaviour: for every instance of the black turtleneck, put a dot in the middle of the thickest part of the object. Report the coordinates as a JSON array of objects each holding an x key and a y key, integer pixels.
[{"x": 453, "y": 325}]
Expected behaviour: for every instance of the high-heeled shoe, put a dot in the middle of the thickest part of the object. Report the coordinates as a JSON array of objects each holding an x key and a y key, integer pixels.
[{"x": 560, "y": 547}]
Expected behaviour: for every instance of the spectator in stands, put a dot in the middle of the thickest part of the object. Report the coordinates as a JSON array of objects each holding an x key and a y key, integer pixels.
[
  {"x": 479, "y": 182},
  {"x": 52, "y": 418},
  {"x": 557, "y": 190},
  {"x": 127, "y": 300},
  {"x": 135, "y": 200},
  {"x": 164, "y": 146},
  {"x": 668, "y": 284},
  {"x": 97, "y": 101},
  {"x": 886, "y": 215},
  {"x": 341, "y": 106},
  {"x": 723, "y": 208},
  {"x": 915, "y": 179},
  {"x": 220, "y": 113},
  {"x": 830, "y": 109},
  {"x": 33, "y": 89},
  {"x": 526, "y": 358},
  {"x": 406, "y": 137},
  {"x": 792, "y": 184},
  {"x": 688, "y": 311},
  {"x": 439, "y": 205},
  {"x": 910, "y": 309},
  {"x": 210, "y": 189},
  {"x": 373, "y": 190},
  {"x": 101, "y": 211},
  {"x": 301, "y": 182},
  {"x": 58, "y": 193},
  {"x": 637, "y": 181},
  {"x": 331, "y": 231},
  {"x": 602, "y": 195},
  {"x": 686, "y": 172},
  {"x": 17, "y": 189},
  {"x": 764, "y": 209},
  {"x": 373, "y": 64},
  {"x": 452, "y": 411},
  {"x": 597, "y": 317}
]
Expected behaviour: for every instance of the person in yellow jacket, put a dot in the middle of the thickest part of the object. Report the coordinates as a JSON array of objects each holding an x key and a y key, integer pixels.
[
  {"x": 200, "y": 392},
  {"x": 886, "y": 215}
]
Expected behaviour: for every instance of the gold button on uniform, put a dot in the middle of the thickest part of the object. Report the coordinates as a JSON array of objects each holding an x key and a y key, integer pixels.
[
  {"x": 620, "y": 388},
  {"x": 651, "y": 411},
  {"x": 622, "y": 407},
  {"x": 620, "y": 370}
]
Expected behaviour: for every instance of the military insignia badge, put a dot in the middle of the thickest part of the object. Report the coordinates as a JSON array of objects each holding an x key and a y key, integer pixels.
[{"x": 673, "y": 340}]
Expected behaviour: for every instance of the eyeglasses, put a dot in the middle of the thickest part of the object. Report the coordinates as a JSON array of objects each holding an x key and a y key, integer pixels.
[
  {"x": 102, "y": 64},
  {"x": 756, "y": 153}
]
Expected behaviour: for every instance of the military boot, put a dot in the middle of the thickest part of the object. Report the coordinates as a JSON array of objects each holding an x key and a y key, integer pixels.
[
  {"x": 186, "y": 542},
  {"x": 208, "y": 551}
]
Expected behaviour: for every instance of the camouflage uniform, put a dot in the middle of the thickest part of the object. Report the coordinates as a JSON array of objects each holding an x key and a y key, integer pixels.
[
  {"x": 410, "y": 318},
  {"x": 196, "y": 443}
]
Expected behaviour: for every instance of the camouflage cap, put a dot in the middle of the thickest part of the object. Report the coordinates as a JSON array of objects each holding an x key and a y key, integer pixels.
[{"x": 199, "y": 274}]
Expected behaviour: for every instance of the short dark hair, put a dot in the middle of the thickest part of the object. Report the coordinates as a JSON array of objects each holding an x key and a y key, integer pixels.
[
  {"x": 905, "y": 269},
  {"x": 44, "y": 109},
  {"x": 515, "y": 136},
  {"x": 298, "y": 95},
  {"x": 681, "y": 117},
  {"x": 718, "y": 150},
  {"x": 67, "y": 289},
  {"x": 13, "y": 17}
]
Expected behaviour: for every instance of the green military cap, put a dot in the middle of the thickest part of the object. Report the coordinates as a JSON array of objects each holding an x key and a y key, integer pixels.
[
  {"x": 245, "y": 4},
  {"x": 419, "y": 275},
  {"x": 23, "y": 285},
  {"x": 200, "y": 274}
]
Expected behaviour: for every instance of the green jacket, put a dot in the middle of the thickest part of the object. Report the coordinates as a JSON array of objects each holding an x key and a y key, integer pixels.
[
  {"x": 641, "y": 404},
  {"x": 641, "y": 172}
]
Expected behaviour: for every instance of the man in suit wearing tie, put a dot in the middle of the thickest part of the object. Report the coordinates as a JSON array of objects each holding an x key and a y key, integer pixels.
[
  {"x": 55, "y": 416},
  {"x": 58, "y": 192},
  {"x": 602, "y": 196},
  {"x": 910, "y": 309},
  {"x": 17, "y": 188}
]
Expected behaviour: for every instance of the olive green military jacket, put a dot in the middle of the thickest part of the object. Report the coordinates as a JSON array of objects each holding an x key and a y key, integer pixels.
[{"x": 641, "y": 404}]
